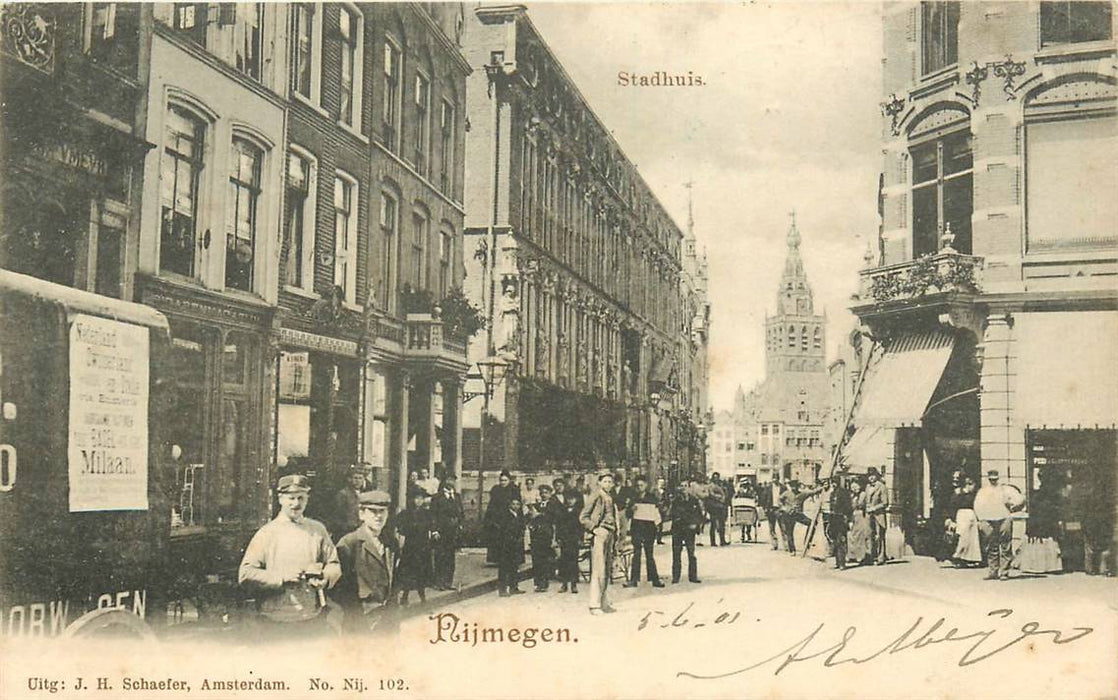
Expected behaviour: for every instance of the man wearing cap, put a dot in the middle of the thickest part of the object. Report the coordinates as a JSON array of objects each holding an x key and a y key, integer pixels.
[
  {"x": 292, "y": 560},
  {"x": 599, "y": 517},
  {"x": 876, "y": 500},
  {"x": 367, "y": 561},
  {"x": 992, "y": 506},
  {"x": 345, "y": 517}
]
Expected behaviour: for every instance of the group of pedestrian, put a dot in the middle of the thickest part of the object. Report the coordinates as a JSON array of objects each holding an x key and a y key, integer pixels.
[
  {"x": 550, "y": 513},
  {"x": 851, "y": 516},
  {"x": 568, "y": 516},
  {"x": 378, "y": 559}
]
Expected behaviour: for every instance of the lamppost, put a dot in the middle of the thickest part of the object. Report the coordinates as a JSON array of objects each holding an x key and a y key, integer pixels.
[{"x": 490, "y": 372}]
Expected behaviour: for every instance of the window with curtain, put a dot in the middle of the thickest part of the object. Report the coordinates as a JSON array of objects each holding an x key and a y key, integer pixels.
[
  {"x": 1075, "y": 22},
  {"x": 446, "y": 248},
  {"x": 349, "y": 86},
  {"x": 942, "y": 192},
  {"x": 446, "y": 148},
  {"x": 388, "y": 226},
  {"x": 422, "y": 123},
  {"x": 419, "y": 251},
  {"x": 345, "y": 236},
  {"x": 939, "y": 35},
  {"x": 1071, "y": 178},
  {"x": 299, "y": 248},
  {"x": 303, "y": 49},
  {"x": 391, "y": 94},
  {"x": 243, "y": 202},
  {"x": 180, "y": 166}
]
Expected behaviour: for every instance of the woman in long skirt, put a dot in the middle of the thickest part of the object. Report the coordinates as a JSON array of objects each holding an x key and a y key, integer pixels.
[
  {"x": 413, "y": 568},
  {"x": 968, "y": 552},
  {"x": 858, "y": 539}
]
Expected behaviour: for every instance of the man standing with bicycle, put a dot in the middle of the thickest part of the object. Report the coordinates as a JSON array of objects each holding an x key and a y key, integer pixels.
[{"x": 599, "y": 517}]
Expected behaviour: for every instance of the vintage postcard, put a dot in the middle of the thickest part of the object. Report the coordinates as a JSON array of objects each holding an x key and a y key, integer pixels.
[{"x": 559, "y": 350}]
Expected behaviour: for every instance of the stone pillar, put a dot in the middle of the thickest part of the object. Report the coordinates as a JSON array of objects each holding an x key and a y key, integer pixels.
[
  {"x": 452, "y": 428},
  {"x": 1002, "y": 440},
  {"x": 403, "y": 388},
  {"x": 424, "y": 413}
]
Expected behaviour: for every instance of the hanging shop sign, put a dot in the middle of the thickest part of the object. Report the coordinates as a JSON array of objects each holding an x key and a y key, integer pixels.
[{"x": 108, "y": 436}]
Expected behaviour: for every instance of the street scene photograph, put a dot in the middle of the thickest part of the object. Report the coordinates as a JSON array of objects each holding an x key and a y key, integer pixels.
[{"x": 559, "y": 350}]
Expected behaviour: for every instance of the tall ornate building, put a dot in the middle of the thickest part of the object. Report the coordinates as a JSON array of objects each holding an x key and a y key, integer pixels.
[
  {"x": 578, "y": 267},
  {"x": 990, "y": 314},
  {"x": 777, "y": 428}
]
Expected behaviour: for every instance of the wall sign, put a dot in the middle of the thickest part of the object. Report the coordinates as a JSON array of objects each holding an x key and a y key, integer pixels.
[{"x": 108, "y": 440}]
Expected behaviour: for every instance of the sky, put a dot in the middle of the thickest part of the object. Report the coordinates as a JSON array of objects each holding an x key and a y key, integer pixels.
[{"x": 788, "y": 118}]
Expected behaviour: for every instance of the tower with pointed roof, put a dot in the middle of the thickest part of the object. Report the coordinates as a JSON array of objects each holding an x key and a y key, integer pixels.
[{"x": 795, "y": 339}]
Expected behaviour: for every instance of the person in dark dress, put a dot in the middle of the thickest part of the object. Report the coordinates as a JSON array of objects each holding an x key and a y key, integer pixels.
[
  {"x": 499, "y": 496},
  {"x": 563, "y": 510},
  {"x": 447, "y": 516},
  {"x": 414, "y": 526},
  {"x": 508, "y": 546},
  {"x": 842, "y": 510}
]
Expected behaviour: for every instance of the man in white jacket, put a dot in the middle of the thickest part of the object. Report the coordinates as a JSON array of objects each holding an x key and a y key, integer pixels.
[{"x": 992, "y": 507}]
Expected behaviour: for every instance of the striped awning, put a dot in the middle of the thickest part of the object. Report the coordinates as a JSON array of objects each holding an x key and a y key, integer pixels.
[
  {"x": 899, "y": 386},
  {"x": 870, "y": 446}
]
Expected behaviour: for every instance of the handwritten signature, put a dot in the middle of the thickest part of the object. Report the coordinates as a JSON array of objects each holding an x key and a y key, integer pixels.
[{"x": 980, "y": 647}]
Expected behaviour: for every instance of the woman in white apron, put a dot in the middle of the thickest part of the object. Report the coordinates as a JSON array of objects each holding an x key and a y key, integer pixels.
[{"x": 968, "y": 552}]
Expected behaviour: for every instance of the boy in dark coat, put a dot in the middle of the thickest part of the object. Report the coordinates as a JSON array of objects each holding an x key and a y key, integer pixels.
[
  {"x": 541, "y": 533},
  {"x": 563, "y": 510},
  {"x": 368, "y": 560},
  {"x": 508, "y": 541}
]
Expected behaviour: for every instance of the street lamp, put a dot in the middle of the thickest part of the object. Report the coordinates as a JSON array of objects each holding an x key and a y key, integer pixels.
[{"x": 490, "y": 372}]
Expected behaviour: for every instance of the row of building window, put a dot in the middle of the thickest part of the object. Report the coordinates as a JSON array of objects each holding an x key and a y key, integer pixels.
[
  {"x": 1063, "y": 158},
  {"x": 183, "y": 245},
  {"x": 1066, "y": 22},
  {"x": 233, "y": 33},
  {"x": 306, "y": 70},
  {"x": 577, "y": 230}
]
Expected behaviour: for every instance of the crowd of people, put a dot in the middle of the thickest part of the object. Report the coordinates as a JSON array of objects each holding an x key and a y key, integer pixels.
[{"x": 366, "y": 562}]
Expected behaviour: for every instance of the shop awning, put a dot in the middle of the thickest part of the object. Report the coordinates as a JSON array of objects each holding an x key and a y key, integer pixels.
[
  {"x": 870, "y": 446},
  {"x": 1067, "y": 369},
  {"x": 898, "y": 388}
]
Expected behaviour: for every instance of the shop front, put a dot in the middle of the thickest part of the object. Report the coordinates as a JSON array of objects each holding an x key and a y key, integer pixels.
[
  {"x": 1066, "y": 386},
  {"x": 917, "y": 423},
  {"x": 318, "y": 411},
  {"x": 220, "y": 398}
]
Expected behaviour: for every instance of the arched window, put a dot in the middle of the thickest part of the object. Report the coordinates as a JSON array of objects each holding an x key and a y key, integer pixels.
[
  {"x": 240, "y": 226},
  {"x": 942, "y": 180},
  {"x": 181, "y": 163},
  {"x": 1071, "y": 145}
]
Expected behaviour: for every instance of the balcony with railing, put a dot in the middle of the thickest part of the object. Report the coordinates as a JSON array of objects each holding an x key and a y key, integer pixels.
[
  {"x": 428, "y": 343},
  {"x": 930, "y": 280}
]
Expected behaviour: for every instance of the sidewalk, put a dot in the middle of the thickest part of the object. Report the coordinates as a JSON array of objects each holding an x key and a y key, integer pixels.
[{"x": 472, "y": 578}]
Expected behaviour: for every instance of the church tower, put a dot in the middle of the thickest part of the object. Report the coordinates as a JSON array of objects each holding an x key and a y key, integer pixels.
[{"x": 795, "y": 337}]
